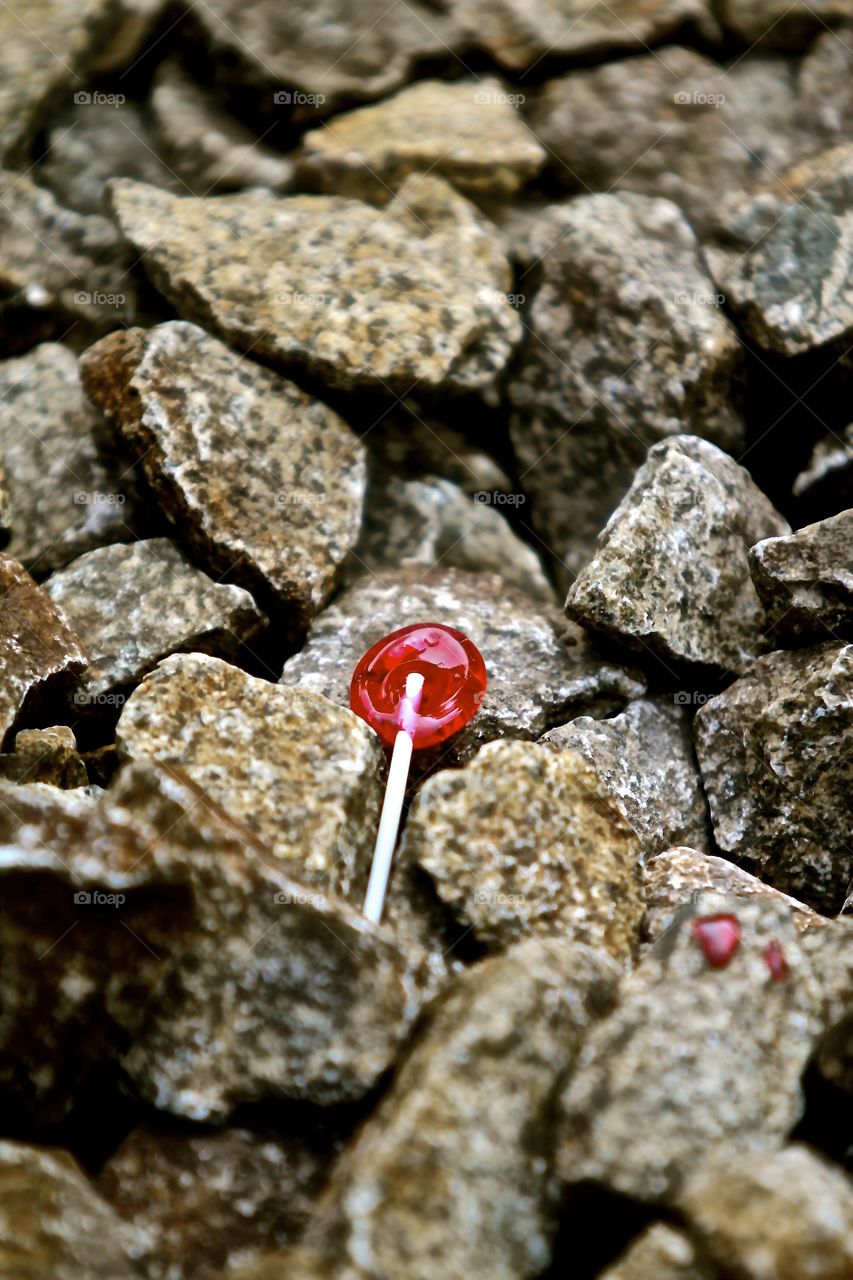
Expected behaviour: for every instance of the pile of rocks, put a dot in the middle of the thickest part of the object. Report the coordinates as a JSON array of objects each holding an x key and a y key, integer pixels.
[{"x": 529, "y": 319}]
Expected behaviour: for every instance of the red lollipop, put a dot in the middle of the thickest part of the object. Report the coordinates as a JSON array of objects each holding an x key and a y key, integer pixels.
[{"x": 416, "y": 688}]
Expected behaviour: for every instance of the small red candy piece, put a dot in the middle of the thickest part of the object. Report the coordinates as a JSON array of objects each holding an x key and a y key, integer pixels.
[
  {"x": 774, "y": 958},
  {"x": 454, "y": 683},
  {"x": 718, "y": 937}
]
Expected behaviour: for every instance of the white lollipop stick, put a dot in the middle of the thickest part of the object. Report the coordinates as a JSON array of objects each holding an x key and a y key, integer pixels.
[{"x": 392, "y": 806}]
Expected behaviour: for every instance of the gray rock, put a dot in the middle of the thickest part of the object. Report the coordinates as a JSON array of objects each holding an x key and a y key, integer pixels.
[
  {"x": 452, "y": 1175},
  {"x": 54, "y": 1224},
  {"x": 527, "y": 841},
  {"x": 134, "y": 603},
  {"x": 660, "y": 1253},
  {"x": 826, "y": 485},
  {"x": 282, "y": 507},
  {"x": 67, "y": 493},
  {"x": 775, "y": 760},
  {"x": 410, "y": 444},
  {"x": 644, "y": 758},
  {"x": 278, "y": 274},
  {"x": 467, "y": 131},
  {"x": 805, "y": 581},
  {"x": 826, "y": 85},
  {"x": 39, "y": 655},
  {"x": 301, "y": 773},
  {"x": 704, "y": 1055},
  {"x": 539, "y": 672},
  {"x": 45, "y": 755},
  {"x": 670, "y": 574},
  {"x": 779, "y": 23},
  {"x": 785, "y": 1215},
  {"x": 626, "y": 345}
]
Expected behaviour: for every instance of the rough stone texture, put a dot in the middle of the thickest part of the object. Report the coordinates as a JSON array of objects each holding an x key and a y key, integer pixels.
[
  {"x": 519, "y": 34},
  {"x": 67, "y": 494},
  {"x": 207, "y": 148},
  {"x": 282, "y": 506},
  {"x": 295, "y": 1264},
  {"x": 705, "y": 1056},
  {"x": 411, "y": 444},
  {"x": 780, "y": 23},
  {"x": 775, "y": 760},
  {"x": 670, "y": 575},
  {"x": 660, "y": 1253},
  {"x": 451, "y": 1177},
  {"x": 53, "y": 1224},
  {"x": 214, "y": 1201},
  {"x": 524, "y": 840},
  {"x": 134, "y": 603},
  {"x": 417, "y": 293},
  {"x": 626, "y": 345},
  {"x": 663, "y": 124},
  {"x": 303, "y": 774},
  {"x": 39, "y": 655},
  {"x": 58, "y": 269},
  {"x": 431, "y": 522},
  {"x": 539, "y": 672},
  {"x": 786, "y": 1215},
  {"x": 805, "y": 581},
  {"x": 467, "y": 132},
  {"x": 134, "y": 21},
  {"x": 45, "y": 755},
  {"x": 826, "y": 485},
  {"x": 675, "y": 877},
  {"x": 644, "y": 758}
]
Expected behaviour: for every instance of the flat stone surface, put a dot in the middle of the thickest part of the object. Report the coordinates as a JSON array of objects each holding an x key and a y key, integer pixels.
[
  {"x": 67, "y": 494},
  {"x": 669, "y": 577},
  {"x": 39, "y": 655},
  {"x": 282, "y": 506},
  {"x": 538, "y": 670},
  {"x": 626, "y": 345},
  {"x": 45, "y": 755},
  {"x": 644, "y": 758},
  {"x": 424, "y": 300},
  {"x": 785, "y": 1215},
  {"x": 805, "y": 581},
  {"x": 451, "y": 1176},
  {"x": 304, "y": 775},
  {"x": 775, "y": 760},
  {"x": 52, "y": 1222},
  {"x": 468, "y": 132},
  {"x": 826, "y": 485},
  {"x": 779, "y": 23},
  {"x": 214, "y": 1201},
  {"x": 673, "y": 878},
  {"x": 527, "y": 841},
  {"x": 705, "y": 1056},
  {"x": 134, "y": 603},
  {"x": 660, "y": 1253}
]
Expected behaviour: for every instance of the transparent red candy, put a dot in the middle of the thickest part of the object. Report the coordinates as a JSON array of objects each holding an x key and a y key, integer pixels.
[
  {"x": 454, "y": 677},
  {"x": 718, "y": 938}
]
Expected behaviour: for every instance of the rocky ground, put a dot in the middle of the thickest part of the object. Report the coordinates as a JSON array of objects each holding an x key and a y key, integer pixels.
[{"x": 531, "y": 318}]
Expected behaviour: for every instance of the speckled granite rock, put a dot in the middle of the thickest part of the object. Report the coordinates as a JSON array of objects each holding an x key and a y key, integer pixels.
[
  {"x": 519, "y": 34},
  {"x": 45, "y": 755},
  {"x": 775, "y": 760},
  {"x": 58, "y": 269},
  {"x": 644, "y": 758},
  {"x": 304, "y": 775},
  {"x": 451, "y": 1176},
  {"x": 660, "y": 1253},
  {"x": 208, "y": 149},
  {"x": 524, "y": 840},
  {"x": 431, "y": 522},
  {"x": 826, "y": 485},
  {"x": 785, "y": 1215},
  {"x": 539, "y": 672},
  {"x": 39, "y": 655},
  {"x": 670, "y": 576},
  {"x": 805, "y": 581},
  {"x": 673, "y": 878},
  {"x": 706, "y": 1056},
  {"x": 781, "y": 23},
  {"x": 282, "y": 507},
  {"x": 53, "y": 1224},
  {"x": 663, "y": 125},
  {"x": 67, "y": 494},
  {"x": 134, "y": 603},
  {"x": 424, "y": 300},
  {"x": 627, "y": 345},
  {"x": 213, "y": 1201},
  {"x": 467, "y": 131}
]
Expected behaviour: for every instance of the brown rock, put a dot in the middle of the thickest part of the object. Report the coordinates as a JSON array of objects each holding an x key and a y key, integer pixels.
[
  {"x": 660, "y": 1253},
  {"x": 45, "y": 755},
  {"x": 805, "y": 581}
]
